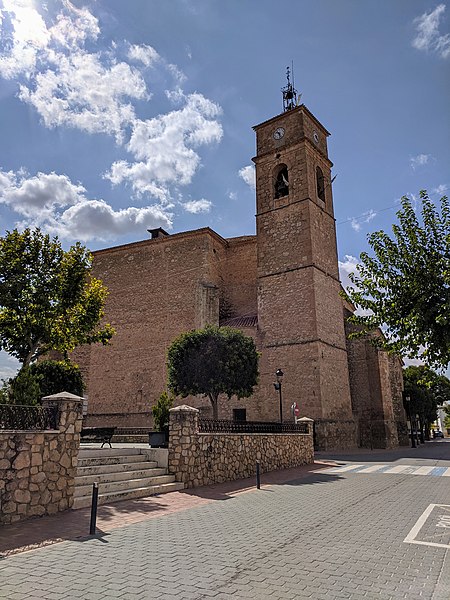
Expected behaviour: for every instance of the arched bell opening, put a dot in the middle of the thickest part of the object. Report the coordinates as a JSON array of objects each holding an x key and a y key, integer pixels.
[{"x": 281, "y": 183}]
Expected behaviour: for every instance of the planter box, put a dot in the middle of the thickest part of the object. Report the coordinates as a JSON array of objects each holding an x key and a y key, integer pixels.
[{"x": 158, "y": 439}]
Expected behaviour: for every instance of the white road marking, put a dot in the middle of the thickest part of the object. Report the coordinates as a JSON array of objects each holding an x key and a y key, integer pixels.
[
  {"x": 380, "y": 469},
  {"x": 410, "y": 538},
  {"x": 398, "y": 469},
  {"x": 343, "y": 469},
  {"x": 422, "y": 471},
  {"x": 372, "y": 469}
]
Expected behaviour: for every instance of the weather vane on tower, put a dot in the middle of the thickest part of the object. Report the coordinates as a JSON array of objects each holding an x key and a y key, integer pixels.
[{"x": 290, "y": 98}]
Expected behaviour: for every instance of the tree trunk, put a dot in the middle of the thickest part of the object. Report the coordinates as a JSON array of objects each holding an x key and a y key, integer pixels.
[{"x": 215, "y": 405}]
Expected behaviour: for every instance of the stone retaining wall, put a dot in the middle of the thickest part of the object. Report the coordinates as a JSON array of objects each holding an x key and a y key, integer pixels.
[
  {"x": 37, "y": 468},
  {"x": 204, "y": 458}
]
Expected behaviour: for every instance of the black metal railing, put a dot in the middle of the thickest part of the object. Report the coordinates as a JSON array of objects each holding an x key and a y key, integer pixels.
[
  {"x": 223, "y": 426},
  {"x": 19, "y": 417}
]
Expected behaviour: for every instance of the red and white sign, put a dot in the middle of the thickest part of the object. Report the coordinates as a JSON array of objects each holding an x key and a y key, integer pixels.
[{"x": 295, "y": 409}]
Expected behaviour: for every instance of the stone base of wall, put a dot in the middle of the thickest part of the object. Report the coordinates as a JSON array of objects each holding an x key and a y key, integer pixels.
[
  {"x": 380, "y": 434},
  {"x": 203, "y": 459},
  {"x": 402, "y": 433},
  {"x": 334, "y": 435}
]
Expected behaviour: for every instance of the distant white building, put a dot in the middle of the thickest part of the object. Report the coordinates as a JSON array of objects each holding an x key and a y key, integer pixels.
[{"x": 441, "y": 414}]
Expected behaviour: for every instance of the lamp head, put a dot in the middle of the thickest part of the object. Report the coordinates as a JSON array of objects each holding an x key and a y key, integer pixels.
[{"x": 279, "y": 375}]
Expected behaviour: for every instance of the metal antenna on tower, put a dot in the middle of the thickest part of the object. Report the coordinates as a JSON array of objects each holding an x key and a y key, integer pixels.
[{"x": 289, "y": 92}]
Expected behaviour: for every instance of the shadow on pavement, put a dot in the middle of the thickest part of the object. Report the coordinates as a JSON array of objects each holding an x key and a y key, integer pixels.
[
  {"x": 430, "y": 452},
  {"x": 73, "y": 525}
]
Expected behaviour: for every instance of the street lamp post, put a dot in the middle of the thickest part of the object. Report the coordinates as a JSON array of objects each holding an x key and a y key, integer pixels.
[{"x": 279, "y": 375}]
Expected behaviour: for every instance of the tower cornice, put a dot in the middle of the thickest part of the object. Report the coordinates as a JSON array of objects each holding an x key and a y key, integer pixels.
[
  {"x": 300, "y": 109},
  {"x": 304, "y": 138}
]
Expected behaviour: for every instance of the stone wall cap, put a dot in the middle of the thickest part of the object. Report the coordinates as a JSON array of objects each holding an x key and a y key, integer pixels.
[
  {"x": 63, "y": 396},
  {"x": 305, "y": 420},
  {"x": 184, "y": 408}
]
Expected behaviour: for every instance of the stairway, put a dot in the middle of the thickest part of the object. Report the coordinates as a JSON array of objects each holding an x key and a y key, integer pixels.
[{"x": 122, "y": 474}]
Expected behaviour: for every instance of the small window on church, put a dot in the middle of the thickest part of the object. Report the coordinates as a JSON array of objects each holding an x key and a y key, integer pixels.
[
  {"x": 282, "y": 182},
  {"x": 320, "y": 184}
]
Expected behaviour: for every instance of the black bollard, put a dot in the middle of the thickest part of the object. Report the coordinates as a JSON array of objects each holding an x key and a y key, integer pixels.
[
  {"x": 258, "y": 476},
  {"x": 93, "y": 524}
]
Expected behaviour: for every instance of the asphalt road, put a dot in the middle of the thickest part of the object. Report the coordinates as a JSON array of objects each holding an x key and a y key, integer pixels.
[{"x": 375, "y": 527}]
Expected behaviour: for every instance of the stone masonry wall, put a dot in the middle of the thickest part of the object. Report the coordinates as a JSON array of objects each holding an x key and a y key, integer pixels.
[
  {"x": 37, "y": 468},
  {"x": 203, "y": 459}
]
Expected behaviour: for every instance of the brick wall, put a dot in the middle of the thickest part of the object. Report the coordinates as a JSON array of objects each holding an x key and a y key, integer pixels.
[
  {"x": 373, "y": 392},
  {"x": 157, "y": 289}
]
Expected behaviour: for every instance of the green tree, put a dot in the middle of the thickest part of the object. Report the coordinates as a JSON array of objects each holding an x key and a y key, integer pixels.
[
  {"x": 427, "y": 390},
  {"x": 40, "y": 379},
  {"x": 48, "y": 297},
  {"x": 405, "y": 287},
  {"x": 56, "y": 376},
  {"x": 161, "y": 410},
  {"x": 212, "y": 361},
  {"x": 24, "y": 388}
]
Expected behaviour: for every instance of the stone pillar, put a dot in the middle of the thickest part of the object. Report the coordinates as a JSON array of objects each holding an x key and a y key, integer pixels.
[
  {"x": 70, "y": 412},
  {"x": 37, "y": 467},
  {"x": 70, "y": 419},
  {"x": 309, "y": 422},
  {"x": 183, "y": 440}
]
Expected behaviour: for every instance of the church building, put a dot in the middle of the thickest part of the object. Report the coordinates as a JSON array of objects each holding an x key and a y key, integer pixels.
[{"x": 280, "y": 286}]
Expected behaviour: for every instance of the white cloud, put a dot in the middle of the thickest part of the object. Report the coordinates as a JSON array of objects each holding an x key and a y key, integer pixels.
[
  {"x": 347, "y": 266},
  {"x": 248, "y": 174},
  {"x": 164, "y": 148},
  {"x": 71, "y": 81},
  {"x": 64, "y": 82},
  {"x": 428, "y": 36},
  {"x": 95, "y": 219},
  {"x": 197, "y": 206},
  {"x": 232, "y": 196},
  {"x": 144, "y": 54},
  {"x": 82, "y": 92},
  {"x": 419, "y": 161},
  {"x": 440, "y": 189},
  {"x": 61, "y": 207},
  {"x": 8, "y": 366},
  {"x": 366, "y": 217}
]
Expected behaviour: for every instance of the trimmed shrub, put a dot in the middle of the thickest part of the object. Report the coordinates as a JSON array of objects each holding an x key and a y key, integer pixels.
[{"x": 58, "y": 376}]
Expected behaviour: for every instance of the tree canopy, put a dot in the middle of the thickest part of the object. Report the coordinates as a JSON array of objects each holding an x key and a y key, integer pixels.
[
  {"x": 427, "y": 390},
  {"x": 48, "y": 297},
  {"x": 212, "y": 361},
  {"x": 405, "y": 287}
]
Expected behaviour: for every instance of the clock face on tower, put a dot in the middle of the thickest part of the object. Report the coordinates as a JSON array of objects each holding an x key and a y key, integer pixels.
[{"x": 278, "y": 133}]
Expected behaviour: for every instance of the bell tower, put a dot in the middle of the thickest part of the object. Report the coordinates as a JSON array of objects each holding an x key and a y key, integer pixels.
[{"x": 300, "y": 312}]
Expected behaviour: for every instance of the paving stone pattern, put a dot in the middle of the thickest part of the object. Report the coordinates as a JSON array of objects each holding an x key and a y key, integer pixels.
[{"x": 322, "y": 537}]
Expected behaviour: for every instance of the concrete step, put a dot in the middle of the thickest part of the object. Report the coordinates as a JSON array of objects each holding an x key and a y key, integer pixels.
[
  {"x": 111, "y": 460},
  {"x": 106, "y": 452},
  {"x": 84, "y": 501},
  {"x": 120, "y": 486},
  {"x": 116, "y": 468},
  {"x": 121, "y": 476}
]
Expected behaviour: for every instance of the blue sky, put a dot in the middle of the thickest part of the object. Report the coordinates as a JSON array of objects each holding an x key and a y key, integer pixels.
[{"x": 116, "y": 117}]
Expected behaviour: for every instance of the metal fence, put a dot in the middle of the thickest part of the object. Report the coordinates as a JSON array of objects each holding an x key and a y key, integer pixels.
[
  {"x": 223, "y": 426},
  {"x": 19, "y": 417}
]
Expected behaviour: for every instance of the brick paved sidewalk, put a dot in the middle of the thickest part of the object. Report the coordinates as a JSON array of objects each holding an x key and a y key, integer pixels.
[
  {"x": 321, "y": 536},
  {"x": 74, "y": 524}
]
